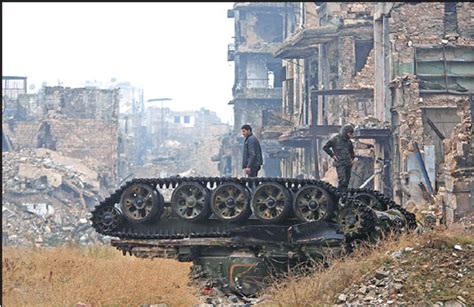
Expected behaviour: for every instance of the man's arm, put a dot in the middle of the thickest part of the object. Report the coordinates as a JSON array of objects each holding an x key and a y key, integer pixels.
[
  {"x": 351, "y": 151},
  {"x": 252, "y": 154},
  {"x": 328, "y": 147}
]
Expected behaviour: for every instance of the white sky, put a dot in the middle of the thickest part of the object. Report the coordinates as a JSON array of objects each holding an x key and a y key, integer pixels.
[{"x": 176, "y": 50}]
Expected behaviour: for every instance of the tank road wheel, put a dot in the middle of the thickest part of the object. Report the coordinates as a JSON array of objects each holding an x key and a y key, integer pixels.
[
  {"x": 313, "y": 203},
  {"x": 370, "y": 199},
  {"x": 230, "y": 202},
  {"x": 141, "y": 203},
  {"x": 190, "y": 201},
  {"x": 107, "y": 219},
  {"x": 356, "y": 219},
  {"x": 271, "y": 202}
]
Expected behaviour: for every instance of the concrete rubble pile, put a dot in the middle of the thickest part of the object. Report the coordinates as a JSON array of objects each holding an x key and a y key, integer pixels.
[
  {"x": 46, "y": 198},
  {"x": 391, "y": 283}
]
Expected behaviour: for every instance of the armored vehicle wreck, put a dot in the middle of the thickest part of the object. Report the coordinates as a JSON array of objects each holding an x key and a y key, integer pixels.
[{"x": 238, "y": 231}]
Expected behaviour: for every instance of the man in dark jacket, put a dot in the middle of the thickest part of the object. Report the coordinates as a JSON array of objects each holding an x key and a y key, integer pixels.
[
  {"x": 252, "y": 158},
  {"x": 340, "y": 148}
]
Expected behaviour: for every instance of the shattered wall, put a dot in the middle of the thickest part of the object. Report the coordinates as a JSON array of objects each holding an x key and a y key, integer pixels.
[
  {"x": 81, "y": 138},
  {"x": 353, "y": 10},
  {"x": 458, "y": 195},
  {"x": 465, "y": 19},
  {"x": 410, "y": 25},
  {"x": 92, "y": 103},
  {"x": 78, "y": 122},
  {"x": 250, "y": 112},
  {"x": 22, "y": 134},
  {"x": 258, "y": 28},
  {"x": 349, "y": 62}
]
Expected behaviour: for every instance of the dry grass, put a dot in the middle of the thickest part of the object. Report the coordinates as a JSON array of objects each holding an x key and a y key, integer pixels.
[
  {"x": 99, "y": 276},
  {"x": 320, "y": 286}
]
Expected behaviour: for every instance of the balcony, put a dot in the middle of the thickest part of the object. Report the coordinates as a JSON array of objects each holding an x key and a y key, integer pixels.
[
  {"x": 258, "y": 47},
  {"x": 258, "y": 93},
  {"x": 305, "y": 42}
]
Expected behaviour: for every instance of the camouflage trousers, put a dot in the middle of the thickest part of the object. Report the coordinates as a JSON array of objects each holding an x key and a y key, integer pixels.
[{"x": 343, "y": 176}]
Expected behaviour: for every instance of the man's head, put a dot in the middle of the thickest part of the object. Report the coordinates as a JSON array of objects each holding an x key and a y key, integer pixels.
[
  {"x": 246, "y": 130},
  {"x": 347, "y": 131}
]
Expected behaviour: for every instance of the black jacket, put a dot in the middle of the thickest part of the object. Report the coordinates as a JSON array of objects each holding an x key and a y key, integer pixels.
[
  {"x": 342, "y": 147},
  {"x": 252, "y": 155}
]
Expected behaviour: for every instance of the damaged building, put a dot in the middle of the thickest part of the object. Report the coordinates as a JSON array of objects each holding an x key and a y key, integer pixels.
[
  {"x": 258, "y": 80},
  {"x": 59, "y": 158},
  {"x": 65, "y": 149},
  {"x": 401, "y": 76},
  {"x": 78, "y": 122}
]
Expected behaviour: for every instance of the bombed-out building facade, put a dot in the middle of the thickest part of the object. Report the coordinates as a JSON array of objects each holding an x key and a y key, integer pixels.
[{"x": 402, "y": 77}]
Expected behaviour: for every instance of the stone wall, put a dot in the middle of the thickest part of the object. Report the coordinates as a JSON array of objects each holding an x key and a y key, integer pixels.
[
  {"x": 457, "y": 197},
  {"x": 90, "y": 103},
  {"x": 80, "y": 138},
  {"x": 77, "y": 138},
  {"x": 22, "y": 134},
  {"x": 410, "y": 25},
  {"x": 465, "y": 18}
]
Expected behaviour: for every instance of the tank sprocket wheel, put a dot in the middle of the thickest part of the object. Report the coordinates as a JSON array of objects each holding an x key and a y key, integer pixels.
[
  {"x": 141, "y": 203},
  {"x": 410, "y": 217},
  {"x": 371, "y": 198},
  {"x": 190, "y": 201},
  {"x": 313, "y": 203},
  {"x": 356, "y": 220},
  {"x": 271, "y": 202},
  {"x": 107, "y": 219},
  {"x": 231, "y": 202},
  {"x": 384, "y": 203}
]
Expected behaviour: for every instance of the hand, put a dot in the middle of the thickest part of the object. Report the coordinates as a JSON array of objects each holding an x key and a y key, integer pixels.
[{"x": 247, "y": 170}]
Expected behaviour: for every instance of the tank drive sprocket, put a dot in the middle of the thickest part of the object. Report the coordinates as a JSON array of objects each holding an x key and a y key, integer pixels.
[
  {"x": 356, "y": 220},
  {"x": 380, "y": 202}
]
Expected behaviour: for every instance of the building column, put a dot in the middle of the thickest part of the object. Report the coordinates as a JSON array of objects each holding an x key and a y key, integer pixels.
[{"x": 382, "y": 94}]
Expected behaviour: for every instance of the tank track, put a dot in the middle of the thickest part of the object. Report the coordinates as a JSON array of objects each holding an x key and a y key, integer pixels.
[
  {"x": 385, "y": 203},
  {"x": 189, "y": 229},
  {"x": 172, "y": 182}
]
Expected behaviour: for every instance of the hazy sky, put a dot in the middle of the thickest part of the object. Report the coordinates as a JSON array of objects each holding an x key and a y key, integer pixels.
[{"x": 176, "y": 50}]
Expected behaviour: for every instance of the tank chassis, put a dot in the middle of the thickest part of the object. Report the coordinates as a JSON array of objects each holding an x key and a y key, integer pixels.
[{"x": 238, "y": 232}]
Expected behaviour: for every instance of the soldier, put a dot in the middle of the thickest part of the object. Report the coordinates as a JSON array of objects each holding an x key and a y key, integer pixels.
[
  {"x": 340, "y": 148},
  {"x": 252, "y": 156}
]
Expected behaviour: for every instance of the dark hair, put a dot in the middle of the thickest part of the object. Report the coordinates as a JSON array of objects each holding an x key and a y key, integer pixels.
[{"x": 246, "y": 127}]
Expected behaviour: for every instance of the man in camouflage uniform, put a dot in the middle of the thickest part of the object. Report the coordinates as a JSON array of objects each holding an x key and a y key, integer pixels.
[{"x": 340, "y": 148}]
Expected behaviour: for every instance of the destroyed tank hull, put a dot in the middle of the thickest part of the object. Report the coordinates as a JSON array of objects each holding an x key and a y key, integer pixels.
[{"x": 239, "y": 231}]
